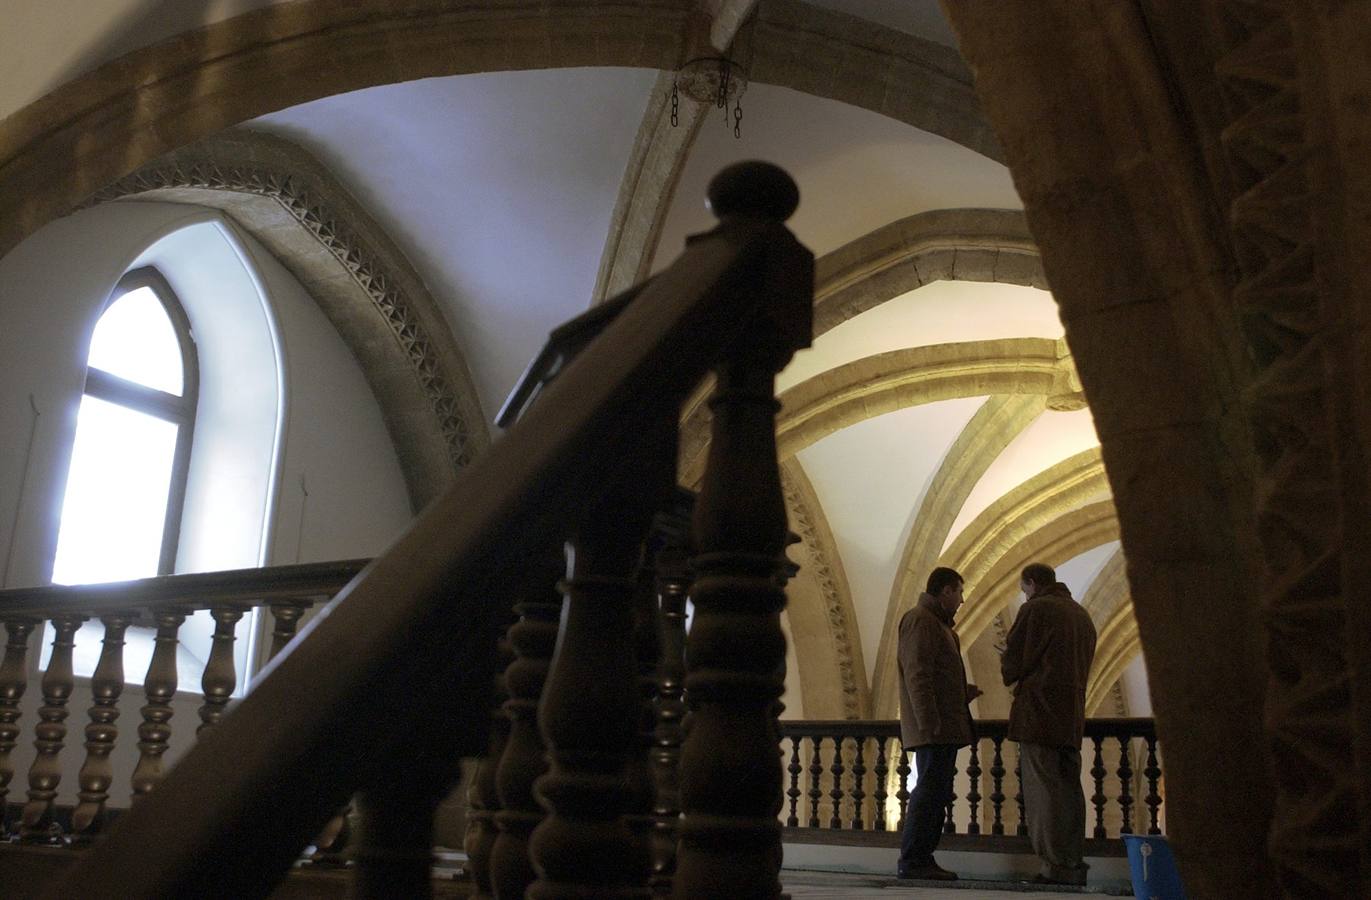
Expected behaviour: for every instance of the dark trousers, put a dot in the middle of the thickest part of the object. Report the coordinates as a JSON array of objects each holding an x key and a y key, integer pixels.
[{"x": 936, "y": 764}]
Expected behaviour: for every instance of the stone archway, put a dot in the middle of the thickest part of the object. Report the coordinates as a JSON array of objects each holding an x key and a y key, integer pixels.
[
  {"x": 99, "y": 127},
  {"x": 361, "y": 280}
]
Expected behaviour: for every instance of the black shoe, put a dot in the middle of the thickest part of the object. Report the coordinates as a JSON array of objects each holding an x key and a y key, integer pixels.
[
  {"x": 930, "y": 872},
  {"x": 1043, "y": 879}
]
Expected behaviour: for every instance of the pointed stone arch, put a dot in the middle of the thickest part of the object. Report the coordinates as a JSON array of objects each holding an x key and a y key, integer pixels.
[
  {"x": 1110, "y": 605},
  {"x": 1118, "y": 645},
  {"x": 362, "y": 281},
  {"x": 100, "y": 126},
  {"x": 988, "y": 245},
  {"x": 823, "y": 622},
  {"x": 991, "y": 429},
  {"x": 1043, "y": 513},
  {"x": 897, "y": 380}
]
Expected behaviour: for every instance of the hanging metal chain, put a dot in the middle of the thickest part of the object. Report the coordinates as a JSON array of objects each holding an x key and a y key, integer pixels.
[
  {"x": 675, "y": 105},
  {"x": 737, "y": 119}
]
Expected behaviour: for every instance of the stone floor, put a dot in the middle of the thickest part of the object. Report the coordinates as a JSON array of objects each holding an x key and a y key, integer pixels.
[{"x": 802, "y": 885}]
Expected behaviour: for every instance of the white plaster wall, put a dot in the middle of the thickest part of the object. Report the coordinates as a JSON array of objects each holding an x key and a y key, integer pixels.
[
  {"x": 51, "y": 290},
  {"x": 45, "y": 43}
]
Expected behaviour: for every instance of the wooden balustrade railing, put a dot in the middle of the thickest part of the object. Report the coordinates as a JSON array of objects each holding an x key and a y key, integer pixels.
[
  {"x": 834, "y": 797},
  {"x": 388, "y": 689},
  {"x": 163, "y": 603}
]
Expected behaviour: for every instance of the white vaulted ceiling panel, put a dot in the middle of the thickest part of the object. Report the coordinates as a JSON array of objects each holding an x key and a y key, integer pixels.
[
  {"x": 870, "y": 478},
  {"x": 498, "y": 187},
  {"x": 857, "y": 170}
]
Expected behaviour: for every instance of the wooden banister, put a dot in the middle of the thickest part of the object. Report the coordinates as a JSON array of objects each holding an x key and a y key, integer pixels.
[
  {"x": 411, "y": 639},
  {"x": 201, "y": 589}
]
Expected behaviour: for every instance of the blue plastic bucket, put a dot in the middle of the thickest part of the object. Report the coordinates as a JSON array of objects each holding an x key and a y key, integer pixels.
[{"x": 1153, "y": 868}]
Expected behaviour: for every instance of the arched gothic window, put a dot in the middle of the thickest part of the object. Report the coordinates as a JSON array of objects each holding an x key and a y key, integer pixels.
[{"x": 121, "y": 515}]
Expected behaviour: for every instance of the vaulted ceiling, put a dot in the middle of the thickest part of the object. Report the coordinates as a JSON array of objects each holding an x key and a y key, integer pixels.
[{"x": 937, "y": 417}]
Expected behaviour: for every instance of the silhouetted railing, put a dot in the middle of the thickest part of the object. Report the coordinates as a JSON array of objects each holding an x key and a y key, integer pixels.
[
  {"x": 849, "y": 782},
  {"x": 161, "y": 604}
]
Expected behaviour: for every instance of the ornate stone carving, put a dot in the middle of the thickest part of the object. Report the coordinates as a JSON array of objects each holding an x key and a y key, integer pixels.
[
  {"x": 838, "y": 610},
  {"x": 260, "y": 165},
  {"x": 1314, "y": 842}
]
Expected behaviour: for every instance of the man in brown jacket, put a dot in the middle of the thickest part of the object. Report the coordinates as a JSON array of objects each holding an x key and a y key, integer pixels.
[
  {"x": 935, "y": 719},
  {"x": 1047, "y": 660}
]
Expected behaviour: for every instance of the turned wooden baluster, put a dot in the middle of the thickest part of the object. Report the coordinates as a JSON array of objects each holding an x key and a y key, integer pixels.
[
  {"x": 997, "y": 797},
  {"x": 220, "y": 677},
  {"x": 902, "y": 770},
  {"x": 1153, "y": 799},
  {"x": 160, "y": 689},
  {"x": 1098, "y": 771},
  {"x": 835, "y": 793},
  {"x": 858, "y": 774},
  {"x": 730, "y": 771},
  {"x": 1022, "y": 828},
  {"x": 881, "y": 771},
  {"x": 647, "y": 649},
  {"x": 1125, "y": 787},
  {"x": 589, "y": 714},
  {"x": 793, "y": 794},
  {"x": 673, "y": 586},
  {"x": 13, "y": 681},
  {"x": 36, "y": 824},
  {"x": 816, "y": 774},
  {"x": 949, "y": 823},
  {"x": 106, "y": 686},
  {"x": 532, "y": 640},
  {"x": 973, "y": 794},
  {"x": 483, "y": 799},
  {"x": 286, "y": 621}
]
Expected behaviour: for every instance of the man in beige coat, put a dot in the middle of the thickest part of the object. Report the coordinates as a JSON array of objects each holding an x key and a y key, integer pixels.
[
  {"x": 935, "y": 719},
  {"x": 1047, "y": 661}
]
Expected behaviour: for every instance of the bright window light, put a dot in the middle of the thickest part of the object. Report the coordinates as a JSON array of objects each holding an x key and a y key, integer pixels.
[
  {"x": 135, "y": 340},
  {"x": 116, "y": 500}
]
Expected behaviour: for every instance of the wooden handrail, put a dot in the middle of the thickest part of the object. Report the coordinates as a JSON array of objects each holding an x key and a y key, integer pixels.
[
  {"x": 412, "y": 638},
  {"x": 197, "y": 589},
  {"x": 984, "y": 728}
]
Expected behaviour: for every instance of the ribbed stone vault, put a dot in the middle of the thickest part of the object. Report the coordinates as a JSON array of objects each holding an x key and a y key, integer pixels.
[{"x": 142, "y": 126}]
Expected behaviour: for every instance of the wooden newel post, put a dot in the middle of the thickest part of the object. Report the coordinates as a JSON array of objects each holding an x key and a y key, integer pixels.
[{"x": 731, "y": 779}]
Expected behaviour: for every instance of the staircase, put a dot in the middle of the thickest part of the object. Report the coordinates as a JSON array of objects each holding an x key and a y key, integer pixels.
[{"x": 379, "y": 698}]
